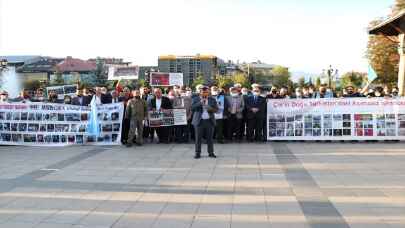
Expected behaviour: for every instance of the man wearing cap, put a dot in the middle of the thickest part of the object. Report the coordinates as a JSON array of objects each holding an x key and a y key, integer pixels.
[{"x": 204, "y": 108}]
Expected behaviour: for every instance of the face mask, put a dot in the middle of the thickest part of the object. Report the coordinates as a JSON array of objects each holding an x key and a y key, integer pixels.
[
  {"x": 171, "y": 97},
  {"x": 245, "y": 93},
  {"x": 214, "y": 93},
  {"x": 189, "y": 93},
  {"x": 256, "y": 94},
  {"x": 234, "y": 94}
]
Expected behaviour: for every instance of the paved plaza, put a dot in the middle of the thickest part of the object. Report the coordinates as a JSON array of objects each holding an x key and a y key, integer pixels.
[{"x": 162, "y": 186}]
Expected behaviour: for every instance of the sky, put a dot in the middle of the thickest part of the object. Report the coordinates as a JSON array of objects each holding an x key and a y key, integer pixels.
[{"x": 304, "y": 35}]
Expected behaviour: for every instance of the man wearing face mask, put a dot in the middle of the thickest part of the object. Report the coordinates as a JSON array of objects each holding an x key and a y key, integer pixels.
[
  {"x": 204, "y": 108},
  {"x": 235, "y": 111},
  {"x": 256, "y": 113},
  {"x": 3, "y": 97},
  {"x": 136, "y": 114},
  {"x": 221, "y": 115}
]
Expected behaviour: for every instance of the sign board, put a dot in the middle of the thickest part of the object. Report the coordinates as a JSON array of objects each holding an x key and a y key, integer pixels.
[
  {"x": 127, "y": 73},
  {"x": 166, "y": 79},
  {"x": 336, "y": 119}
]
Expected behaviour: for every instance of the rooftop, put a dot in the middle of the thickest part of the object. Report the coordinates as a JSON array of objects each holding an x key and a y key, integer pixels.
[
  {"x": 75, "y": 65},
  {"x": 391, "y": 27}
]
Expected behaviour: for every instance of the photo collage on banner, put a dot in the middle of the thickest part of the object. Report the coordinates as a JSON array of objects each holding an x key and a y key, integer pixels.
[
  {"x": 168, "y": 117},
  {"x": 377, "y": 119},
  {"x": 42, "y": 124}
]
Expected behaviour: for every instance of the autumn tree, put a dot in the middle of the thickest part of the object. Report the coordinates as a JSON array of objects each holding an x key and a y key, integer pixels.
[
  {"x": 382, "y": 52},
  {"x": 281, "y": 76}
]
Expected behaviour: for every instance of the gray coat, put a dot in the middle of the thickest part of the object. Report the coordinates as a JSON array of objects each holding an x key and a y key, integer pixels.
[{"x": 197, "y": 109}]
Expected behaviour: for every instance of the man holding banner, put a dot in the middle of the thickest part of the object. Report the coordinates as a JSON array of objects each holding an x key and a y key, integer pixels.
[{"x": 160, "y": 103}]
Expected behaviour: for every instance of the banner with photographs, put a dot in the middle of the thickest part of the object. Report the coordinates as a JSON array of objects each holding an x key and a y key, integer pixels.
[
  {"x": 69, "y": 90},
  {"x": 336, "y": 119},
  {"x": 166, "y": 79},
  {"x": 42, "y": 124},
  {"x": 127, "y": 73},
  {"x": 168, "y": 117}
]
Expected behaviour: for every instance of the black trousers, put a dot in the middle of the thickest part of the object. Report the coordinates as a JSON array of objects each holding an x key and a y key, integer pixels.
[
  {"x": 234, "y": 127},
  {"x": 125, "y": 130},
  {"x": 206, "y": 127},
  {"x": 163, "y": 134},
  {"x": 219, "y": 130},
  {"x": 182, "y": 134},
  {"x": 255, "y": 129}
]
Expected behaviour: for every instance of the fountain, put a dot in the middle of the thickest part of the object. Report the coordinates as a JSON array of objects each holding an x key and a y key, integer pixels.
[{"x": 9, "y": 81}]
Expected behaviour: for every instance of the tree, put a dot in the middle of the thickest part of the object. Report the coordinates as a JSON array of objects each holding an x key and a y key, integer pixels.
[
  {"x": 198, "y": 80},
  {"x": 383, "y": 52},
  {"x": 59, "y": 78},
  {"x": 242, "y": 79},
  {"x": 398, "y": 6},
  {"x": 281, "y": 76},
  {"x": 223, "y": 81},
  {"x": 301, "y": 82},
  {"x": 318, "y": 82},
  {"x": 100, "y": 72},
  {"x": 356, "y": 79}
]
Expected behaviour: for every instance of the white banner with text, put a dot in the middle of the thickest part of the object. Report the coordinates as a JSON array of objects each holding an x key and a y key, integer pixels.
[
  {"x": 45, "y": 124},
  {"x": 336, "y": 119}
]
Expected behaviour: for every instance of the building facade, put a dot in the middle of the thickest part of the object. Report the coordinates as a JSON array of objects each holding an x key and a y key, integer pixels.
[{"x": 207, "y": 66}]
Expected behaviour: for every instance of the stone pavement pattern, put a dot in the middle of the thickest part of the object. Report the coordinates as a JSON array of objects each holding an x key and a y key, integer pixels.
[{"x": 162, "y": 186}]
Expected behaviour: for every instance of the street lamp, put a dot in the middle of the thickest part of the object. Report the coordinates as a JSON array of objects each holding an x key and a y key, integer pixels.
[{"x": 331, "y": 73}]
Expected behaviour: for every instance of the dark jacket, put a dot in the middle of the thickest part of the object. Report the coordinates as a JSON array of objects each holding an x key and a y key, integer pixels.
[
  {"x": 85, "y": 101},
  {"x": 260, "y": 104},
  {"x": 106, "y": 98},
  {"x": 166, "y": 103},
  {"x": 197, "y": 109}
]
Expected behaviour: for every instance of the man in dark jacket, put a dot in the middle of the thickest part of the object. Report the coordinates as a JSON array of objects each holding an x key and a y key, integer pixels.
[
  {"x": 256, "y": 113},
  {"x": 160, "y": 103},
  {"x": 204, "y": 108},
  {"x": 81, "y": 99}
]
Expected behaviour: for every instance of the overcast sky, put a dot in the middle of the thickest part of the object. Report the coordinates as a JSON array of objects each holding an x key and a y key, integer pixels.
[{"x": 305, "y": 35}]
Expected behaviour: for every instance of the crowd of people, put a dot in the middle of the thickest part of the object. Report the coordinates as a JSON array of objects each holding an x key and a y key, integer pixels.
[{"x": 238, "y": 114}]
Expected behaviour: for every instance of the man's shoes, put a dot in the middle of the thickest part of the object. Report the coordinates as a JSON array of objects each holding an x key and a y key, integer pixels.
[
  {"x": 212, "y": 156},
  {"x": 197, "y": 157},
  {"x": 139, "y": 144}
]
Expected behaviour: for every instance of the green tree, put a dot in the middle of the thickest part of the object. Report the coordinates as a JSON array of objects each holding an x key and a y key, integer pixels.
[
  {"x": 356, "y": 79},
  {"x": 101, "y": 75},
  {"x": 317, "y": 82},
  {"x": 198, "y": 80},
  {"x": 242, "y": 79},
  {"x": 59, "y": 78},
  {"x": 223, "y": 81},
  {"x": 281, "y": 76},
  {"x": 301, "y": 82}
]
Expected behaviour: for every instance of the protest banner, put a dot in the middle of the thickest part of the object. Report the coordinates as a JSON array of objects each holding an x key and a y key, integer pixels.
[
  {"x": 336, "y": 119},
  {"x": 62, "y": 91},
  {"x": 168, "y": 117},
  {"x": 166, "y": 79},
  {"x": 126, "y": 73},
  {"x": 46, "y": 124}
]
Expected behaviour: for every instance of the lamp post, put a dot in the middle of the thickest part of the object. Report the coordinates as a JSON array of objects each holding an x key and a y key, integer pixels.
[{"x": 331, "y": 73}]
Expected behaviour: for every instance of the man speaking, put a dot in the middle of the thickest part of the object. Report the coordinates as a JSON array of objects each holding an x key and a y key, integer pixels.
[{"x": 204, "y": 108}]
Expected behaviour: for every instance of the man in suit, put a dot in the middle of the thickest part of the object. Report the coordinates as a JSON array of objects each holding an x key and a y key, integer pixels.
[
  {"x": 256, "y": 113},
  {"x": 160, "y": 103},
  {"x": 81, "y": 99},
  {"x": 204, "y": 108}
]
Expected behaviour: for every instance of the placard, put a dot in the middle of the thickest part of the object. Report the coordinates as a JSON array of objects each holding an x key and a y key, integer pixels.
[
  {"x": 336, "y": 119},
  {"x": 168, "y": 117},
  {"x": 69, "y": 90},
  {"x": 45, "y": 124},
  {"x": 166, "y": 79},
  {"x": 126, "y": 73}
]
